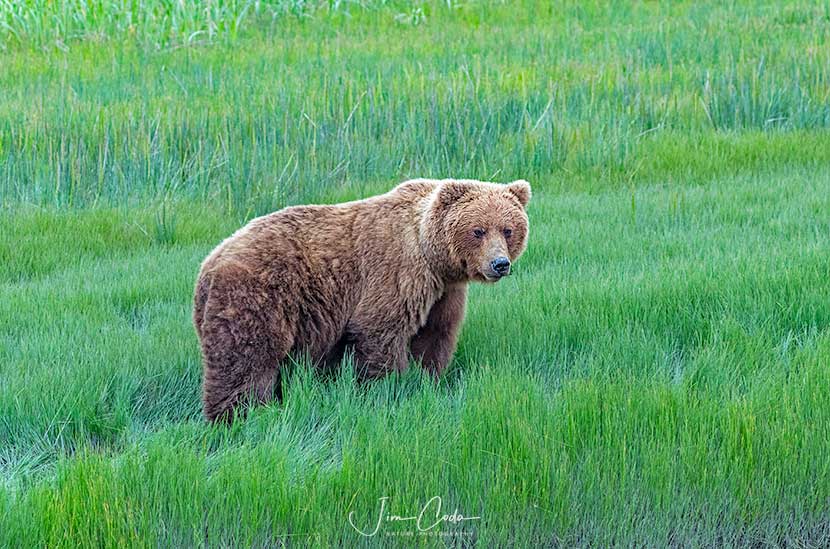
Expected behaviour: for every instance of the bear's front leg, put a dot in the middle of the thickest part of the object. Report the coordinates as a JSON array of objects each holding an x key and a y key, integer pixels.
[
  {"x": 434, "y": 344},
  {"x": 377, "y": 354}
]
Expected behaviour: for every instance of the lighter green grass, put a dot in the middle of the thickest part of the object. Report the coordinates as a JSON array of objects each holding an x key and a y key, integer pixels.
[{"x": 655, "y": 373}]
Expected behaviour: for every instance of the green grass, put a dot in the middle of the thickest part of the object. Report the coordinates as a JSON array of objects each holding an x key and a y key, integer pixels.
[{"x": 655, "y": 373}]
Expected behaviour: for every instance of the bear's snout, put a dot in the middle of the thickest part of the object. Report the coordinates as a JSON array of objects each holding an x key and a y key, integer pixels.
[{"x": 500, "y": 266}]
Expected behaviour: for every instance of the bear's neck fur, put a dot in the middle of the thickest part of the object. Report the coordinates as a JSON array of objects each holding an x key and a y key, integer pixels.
[{"x": 434, "y": 242}]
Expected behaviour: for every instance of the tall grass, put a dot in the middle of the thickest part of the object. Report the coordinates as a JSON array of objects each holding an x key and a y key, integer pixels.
[
  {"x": 159, "y": 23},
  {"x": 654, "y": 374},
  {"x": 579, "y": 98}
]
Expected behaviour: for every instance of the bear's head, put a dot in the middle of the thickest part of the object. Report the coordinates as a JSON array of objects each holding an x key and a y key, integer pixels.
[{"x": 481, "y": 227}]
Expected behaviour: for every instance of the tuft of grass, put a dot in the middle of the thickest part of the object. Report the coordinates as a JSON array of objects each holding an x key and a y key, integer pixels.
[{"x": 165, "y": 226}]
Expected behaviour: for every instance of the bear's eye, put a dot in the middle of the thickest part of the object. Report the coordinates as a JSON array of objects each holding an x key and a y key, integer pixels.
[
  {"x": 508, "y": 233},
  {"x": 479, "y": 233}
]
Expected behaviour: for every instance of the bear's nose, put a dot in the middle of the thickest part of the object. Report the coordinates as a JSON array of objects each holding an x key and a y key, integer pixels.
[{"x": 501, "y": 265}]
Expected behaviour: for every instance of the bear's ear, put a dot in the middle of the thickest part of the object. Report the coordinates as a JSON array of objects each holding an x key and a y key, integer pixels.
[
  {"x": 521, "y": 190},
  {"x": 451, "y": 192}
]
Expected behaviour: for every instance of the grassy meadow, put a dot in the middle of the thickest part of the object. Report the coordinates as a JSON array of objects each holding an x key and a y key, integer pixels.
[{"x": 656, "y": 373}]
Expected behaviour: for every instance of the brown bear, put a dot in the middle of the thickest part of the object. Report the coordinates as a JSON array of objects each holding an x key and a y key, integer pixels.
[{"x": 385, "y": 276}]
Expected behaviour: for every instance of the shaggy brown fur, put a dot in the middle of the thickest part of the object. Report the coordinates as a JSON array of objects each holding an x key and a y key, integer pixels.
[{"x": 386, "y": 276}]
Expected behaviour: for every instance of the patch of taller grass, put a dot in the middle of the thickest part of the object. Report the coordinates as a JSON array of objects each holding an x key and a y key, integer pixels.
[{"x": 304, "y": 114}]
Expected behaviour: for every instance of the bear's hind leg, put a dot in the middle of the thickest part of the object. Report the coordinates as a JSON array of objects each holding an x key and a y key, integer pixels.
[
  {"x": 222, "y": 399},
  {"x": 243, "y": 339}
]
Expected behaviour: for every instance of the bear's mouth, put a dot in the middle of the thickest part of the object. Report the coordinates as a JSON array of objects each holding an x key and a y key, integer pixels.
[
  {"x": 491, "y": 277},
  {"x": 486, "y": 274}
]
